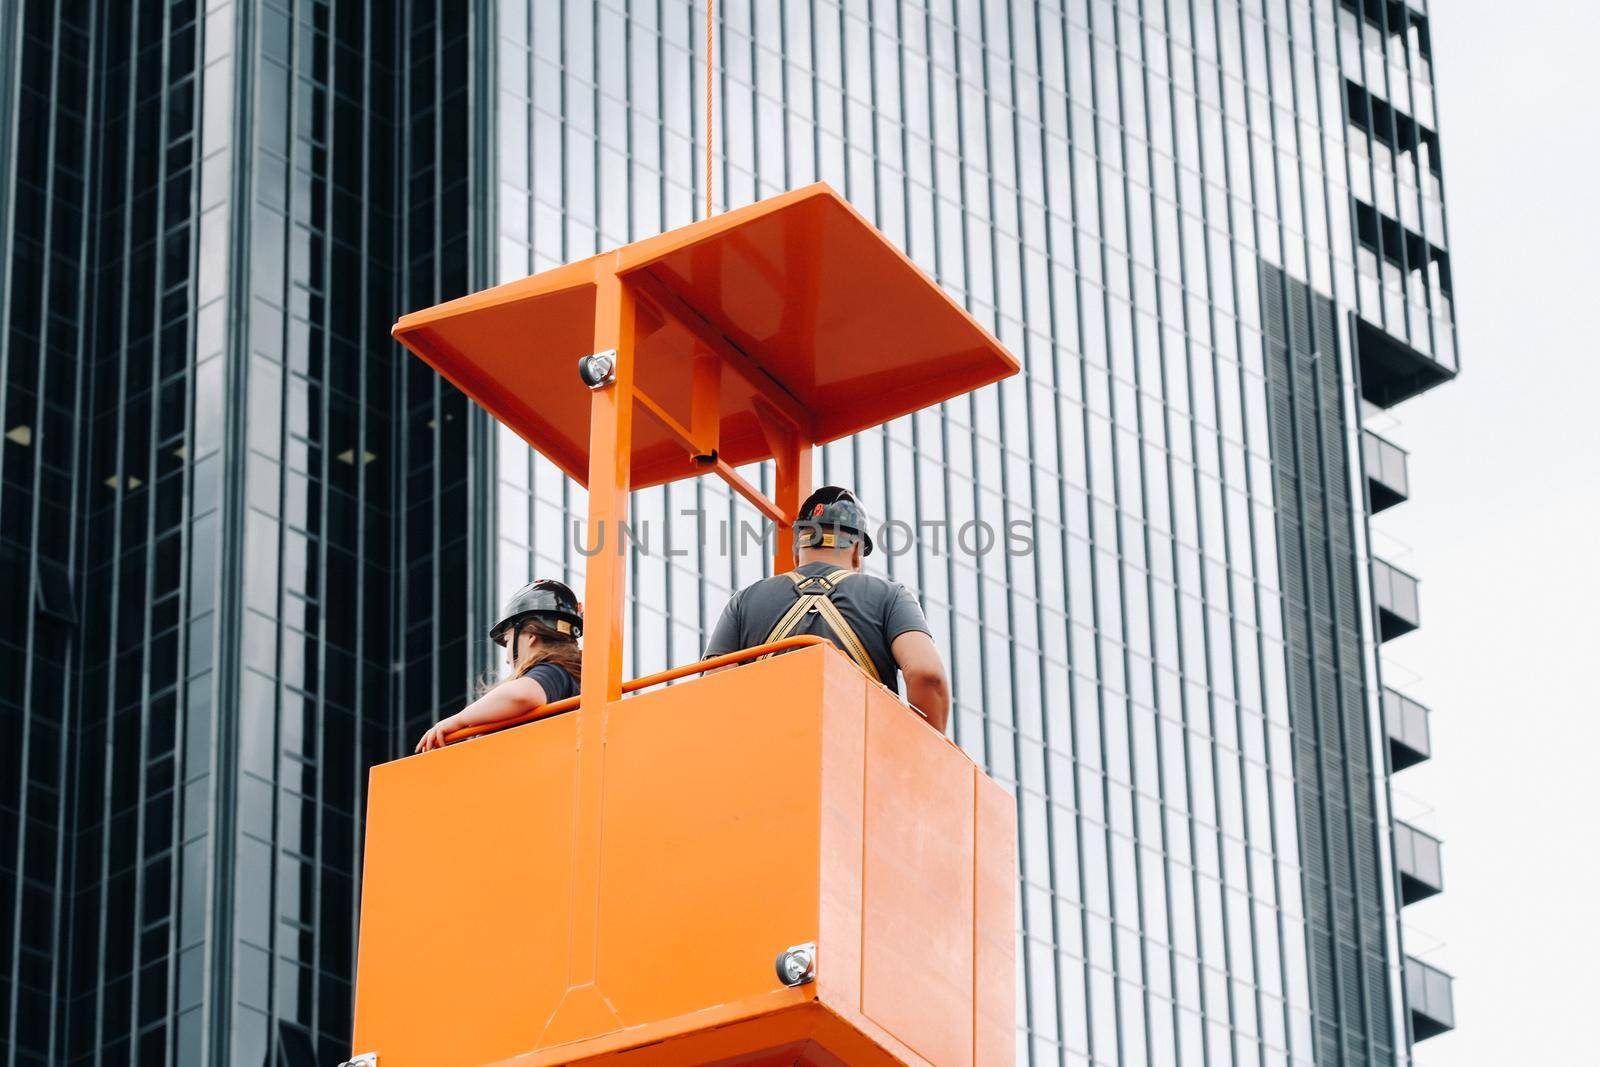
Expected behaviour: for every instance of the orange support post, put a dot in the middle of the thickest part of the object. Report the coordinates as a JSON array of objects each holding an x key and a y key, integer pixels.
[
  {"x": 703, "y": 415},
  {"x": 584, "y": 1009},
  {"x": 610, "y": 471},
  {"x": 792, "y": 460}
]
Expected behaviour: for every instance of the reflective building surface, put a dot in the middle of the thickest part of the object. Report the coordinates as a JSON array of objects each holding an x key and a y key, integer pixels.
[
  {"x": 250, "y": 549},
  {"x": 240, "y": 531}
]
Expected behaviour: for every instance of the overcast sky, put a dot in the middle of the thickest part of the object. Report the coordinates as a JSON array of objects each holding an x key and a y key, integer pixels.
[{"x": 1501, "y": 528}]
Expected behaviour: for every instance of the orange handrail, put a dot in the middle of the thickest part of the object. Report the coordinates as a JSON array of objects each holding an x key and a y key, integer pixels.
[{"x": 556, "y": 707}]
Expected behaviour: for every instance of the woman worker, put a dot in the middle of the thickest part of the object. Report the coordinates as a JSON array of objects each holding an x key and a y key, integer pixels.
[{"x": 539, "y": 631}]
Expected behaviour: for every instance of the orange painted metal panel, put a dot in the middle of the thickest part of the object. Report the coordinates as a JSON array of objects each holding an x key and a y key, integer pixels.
[
  {"x": 917, "y": 907},
  {"x": 811, "y": 310},
  {"x": 994, "y": 1009},
  {"x": 709, "y": 866},
  {"x": 465, "y": 896},
  {"x": 784, "y": 801},
  {"x": 843, "y": 831}
]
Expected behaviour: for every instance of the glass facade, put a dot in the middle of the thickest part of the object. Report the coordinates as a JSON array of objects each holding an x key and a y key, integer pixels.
[
  {"x": 251, "y": 549},
  {"x": 241, "y": 531}
]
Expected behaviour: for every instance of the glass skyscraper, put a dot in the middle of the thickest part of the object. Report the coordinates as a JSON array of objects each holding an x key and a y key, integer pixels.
[{"x": 249, "y": 548}]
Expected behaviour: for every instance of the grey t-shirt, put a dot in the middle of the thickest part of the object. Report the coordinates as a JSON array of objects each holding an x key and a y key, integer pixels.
[{"x": 878, "y": 610}]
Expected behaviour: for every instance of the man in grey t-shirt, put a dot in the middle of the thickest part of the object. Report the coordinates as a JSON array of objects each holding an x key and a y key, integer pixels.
[{"x": 877, "y": 623}]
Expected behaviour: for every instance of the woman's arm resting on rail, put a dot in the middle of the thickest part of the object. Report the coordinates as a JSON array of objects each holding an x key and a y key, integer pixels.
[{"x": 505, "y": 701}]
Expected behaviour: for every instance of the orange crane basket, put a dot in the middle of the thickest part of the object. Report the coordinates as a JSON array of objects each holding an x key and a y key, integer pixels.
[{"x": 777, "y": 864}]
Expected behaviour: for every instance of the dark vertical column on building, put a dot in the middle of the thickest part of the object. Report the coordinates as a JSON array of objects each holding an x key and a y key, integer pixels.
[
  {"x": 359, "y": 478},
  {"x": 243, "y": 537},
  {"x": 46, "y": 115},
  {"x": 1334, "y": 776},
  {"x": 445, "y": 447},
  {"x": 143, "y": 433},
  {"x": 140, "y": 493}
]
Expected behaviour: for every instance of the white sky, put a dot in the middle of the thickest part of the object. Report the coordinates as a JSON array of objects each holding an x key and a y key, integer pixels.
[{"x": 1501, "y": 528}]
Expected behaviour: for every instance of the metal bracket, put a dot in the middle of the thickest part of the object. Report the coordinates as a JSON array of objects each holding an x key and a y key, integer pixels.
[
  {"x": 599, "y": 369},
  {"x": 797, "y": 964}
]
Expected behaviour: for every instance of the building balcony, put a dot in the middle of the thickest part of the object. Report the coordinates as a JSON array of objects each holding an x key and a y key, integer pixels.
[
  {"x": 1395, "y": 594},
  {"x": 1416, "y": 857},
  {"x": 1387, "y": 481},
  {"x": 1405, "y": 722},
  {"x": 1429, "y": 1000},
  {"x": 1391, "y": 369}
]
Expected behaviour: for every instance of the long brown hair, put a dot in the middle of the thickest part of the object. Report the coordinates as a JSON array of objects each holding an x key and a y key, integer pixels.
[{"x": 553, "y": 647}]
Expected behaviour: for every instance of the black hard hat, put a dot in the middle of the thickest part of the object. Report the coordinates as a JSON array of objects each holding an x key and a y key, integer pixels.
[
  {"x": 826, "y": 512},
  {"x": 545, "y": 600}
]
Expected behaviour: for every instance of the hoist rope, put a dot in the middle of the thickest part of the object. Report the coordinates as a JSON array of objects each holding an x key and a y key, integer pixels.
[{"x": 710, "y": 67}]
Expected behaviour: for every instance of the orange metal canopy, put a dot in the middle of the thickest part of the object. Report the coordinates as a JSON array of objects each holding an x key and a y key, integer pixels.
[{"x": 796, "y": 309}]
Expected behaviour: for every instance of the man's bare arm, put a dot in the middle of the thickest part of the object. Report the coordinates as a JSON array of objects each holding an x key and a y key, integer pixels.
[{"x": 927, "y": 686}]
